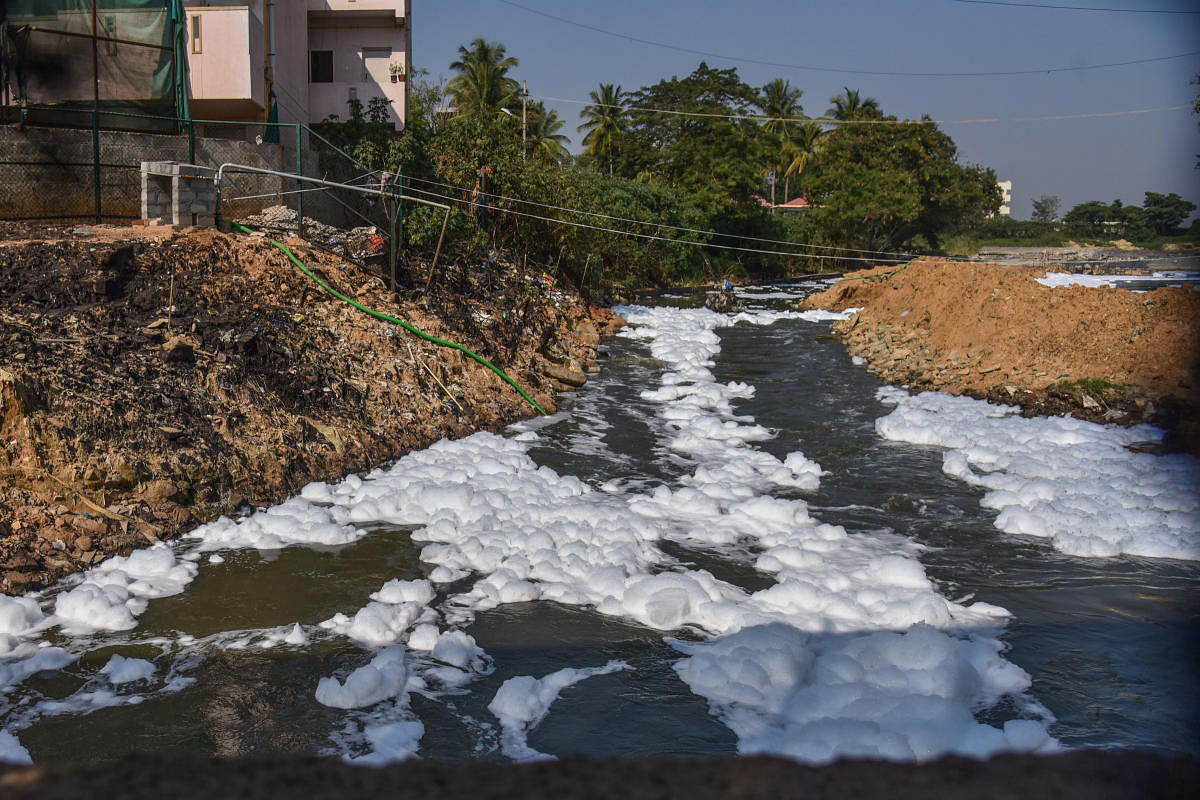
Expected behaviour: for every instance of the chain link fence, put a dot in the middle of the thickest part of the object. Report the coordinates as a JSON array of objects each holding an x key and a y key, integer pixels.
[{"x": 86, "y": 167}]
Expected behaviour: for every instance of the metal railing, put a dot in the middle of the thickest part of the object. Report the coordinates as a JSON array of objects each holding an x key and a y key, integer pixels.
[{"x": 384, "y": 190}]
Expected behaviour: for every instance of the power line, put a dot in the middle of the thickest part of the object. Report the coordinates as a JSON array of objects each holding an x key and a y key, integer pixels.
[
  {"x": 829, "y": 121},
  {"x": 1074, "y": 8},
  {"x": 663, "y": 225},
  {"x": 839, "y": 70},
  {"x": 669, "y": 240}
]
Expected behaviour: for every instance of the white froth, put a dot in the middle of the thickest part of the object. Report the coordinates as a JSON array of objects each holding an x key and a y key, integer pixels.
[
  {"x": 1053, "y": 279},
  {"x": 25, "y": 659},
  {"x": 898, "y": 696},
  {"x": 113, "y": 594},
  {"x": 18, "y": 615},
  {"x": 12, "y": 751},
  {"x": 521, "y": 703},
  {"x": 385, "y": 677},
  {"x": 120, "y": 669},
  {"x": 1073, "y": 482},
  {"x": 293, "y": 522}
]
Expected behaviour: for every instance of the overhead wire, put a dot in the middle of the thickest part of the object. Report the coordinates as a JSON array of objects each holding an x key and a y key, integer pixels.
[
  {"x": 842, "y": 70},
  {"x": 1074, "y": 8},
  {"x": 652, "y": 237},
  {"x": 839, "y": 122},
  {"x": 667, "y": 226}
]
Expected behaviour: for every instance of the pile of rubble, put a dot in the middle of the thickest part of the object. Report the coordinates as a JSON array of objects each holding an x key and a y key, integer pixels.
[{"x": 281, "y": 222}]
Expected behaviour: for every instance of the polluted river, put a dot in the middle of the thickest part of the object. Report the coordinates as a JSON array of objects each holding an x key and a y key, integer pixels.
[{"x": 733, "y": 540}]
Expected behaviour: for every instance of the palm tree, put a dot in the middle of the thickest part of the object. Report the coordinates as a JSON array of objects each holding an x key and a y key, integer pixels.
[
  {"x": 544, "y": 139},
  {"x": 482, "y": 86},
  {"x": 850, "y": 105},
  {"x": 781, "y": 105},
  {"x": 805, "y": 144},
  {"x": 605, "y": 121}
]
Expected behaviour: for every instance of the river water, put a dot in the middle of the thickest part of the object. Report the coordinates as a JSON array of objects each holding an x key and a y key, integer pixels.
[{"x": 228, "y": 659}]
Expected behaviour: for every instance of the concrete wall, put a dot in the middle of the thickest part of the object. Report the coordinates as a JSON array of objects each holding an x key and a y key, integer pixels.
[{"x": 48, "y": 172}]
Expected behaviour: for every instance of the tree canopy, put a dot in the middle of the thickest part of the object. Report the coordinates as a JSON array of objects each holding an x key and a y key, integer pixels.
[{"x": 880, "y": 186}]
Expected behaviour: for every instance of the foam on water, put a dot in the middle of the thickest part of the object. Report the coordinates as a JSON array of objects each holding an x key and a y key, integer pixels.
[
  {"x": 113, "y": 594},
  {"x": 1073, "y": 482},
  {"x": 523, "y": 702},
  {"x": 1053, "y": 279},
  {"x": 852, "y": 650},
  {"x": 485, "y": 509}
]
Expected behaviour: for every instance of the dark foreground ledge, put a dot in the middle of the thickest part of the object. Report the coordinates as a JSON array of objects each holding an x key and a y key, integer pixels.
[{"x": 1093, "y": 775}]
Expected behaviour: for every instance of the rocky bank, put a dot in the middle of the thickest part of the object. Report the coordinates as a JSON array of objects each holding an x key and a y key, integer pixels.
[{"x": 151, "y": 380}]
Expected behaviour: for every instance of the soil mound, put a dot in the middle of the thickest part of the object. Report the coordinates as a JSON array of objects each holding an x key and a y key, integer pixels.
[
  {"x": 994, "y": 332},
  {"x": 151, "y": 380}
]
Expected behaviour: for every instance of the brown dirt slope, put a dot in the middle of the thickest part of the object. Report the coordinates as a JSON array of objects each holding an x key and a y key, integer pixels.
[
  {"x": 992, "y": 331},
  {"x": 153, "y": 380}
]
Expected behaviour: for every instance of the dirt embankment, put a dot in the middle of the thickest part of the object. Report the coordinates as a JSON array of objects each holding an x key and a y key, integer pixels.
[
  {"x": 150, "y": 382},
  {"x": 994, "y": 332}
]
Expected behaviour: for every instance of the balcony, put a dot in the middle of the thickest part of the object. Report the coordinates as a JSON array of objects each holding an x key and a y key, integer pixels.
[{"x": 226, "y": 58}]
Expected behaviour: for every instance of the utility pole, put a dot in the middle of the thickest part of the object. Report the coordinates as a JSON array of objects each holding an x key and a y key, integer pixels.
[{"x": 524, "y": 99}]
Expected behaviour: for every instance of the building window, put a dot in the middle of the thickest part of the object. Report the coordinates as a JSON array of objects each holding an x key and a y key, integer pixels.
[
  {"x": 196, "y": 48},
  {"x": 320, "y": 66},
  {"x": 375, "y": 61}
]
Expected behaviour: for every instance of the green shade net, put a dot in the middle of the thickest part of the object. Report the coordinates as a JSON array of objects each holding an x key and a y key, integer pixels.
[{"x": 128, "y": 50}]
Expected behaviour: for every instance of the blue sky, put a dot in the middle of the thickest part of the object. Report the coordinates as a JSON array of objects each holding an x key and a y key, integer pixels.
[{"x": 807, "y": 43}]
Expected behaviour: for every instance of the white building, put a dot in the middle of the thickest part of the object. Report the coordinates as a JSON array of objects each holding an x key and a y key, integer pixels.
[
  {"x": 1005, "y": 197},
  {"x": 311, "y": 56}
]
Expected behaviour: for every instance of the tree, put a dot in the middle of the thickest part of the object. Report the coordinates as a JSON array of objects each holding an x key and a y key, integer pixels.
[
  {"x": 781, "y": 105},
  {"x": 1163, "y": 213},
  {"x": 605, "y": 121},
  {"x": 1045, "y": 208},
  {"x": 1196, "y": 109},
  {"x": 850, "y": 105},
  {"x": 545, "y": 141},
  {"x": 882, "y": 185},
  {"x": 800, "y": 150},
  {"x": 482, "y": 86},
  {"x": 1112, "y": 221},
  {"x": 708, "y": 148},
  {"x": 1088, "y": 219}
]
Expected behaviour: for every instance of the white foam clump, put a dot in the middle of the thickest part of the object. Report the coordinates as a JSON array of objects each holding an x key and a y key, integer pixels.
[
  {"x": 521, "y": 703},
  {"x": 12, "y": 751},
  {"x": 1056, "y": 279},
  {"x": 113, "y": 594},
  {"x": 120, "y": 669},
  {"x": 384, "y": 677},
  {"x": 1073, "y": 482},
  {"x": 293, "y": 522},
  {"x": 899, "y": 696},
  {"x": 393, "y": 610},
  {"x": 23, "y": 659},
  {"x": 19, "y": 615}
]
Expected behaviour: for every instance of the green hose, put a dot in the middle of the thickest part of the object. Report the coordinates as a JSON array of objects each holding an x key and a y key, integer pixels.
[{"x": 397, "y": 321}]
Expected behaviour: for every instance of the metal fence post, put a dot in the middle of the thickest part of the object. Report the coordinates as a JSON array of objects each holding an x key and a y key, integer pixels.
[
  {"x": 96, "y": 161},
  {"x": 299, "y": 195},
  {"x": 191, "y": 142}
]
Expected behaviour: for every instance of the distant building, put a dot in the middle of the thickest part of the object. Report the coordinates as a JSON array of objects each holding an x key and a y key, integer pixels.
[
  {"x": 296, "y": 60},
  {"x": 1005, "y": 198}
]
